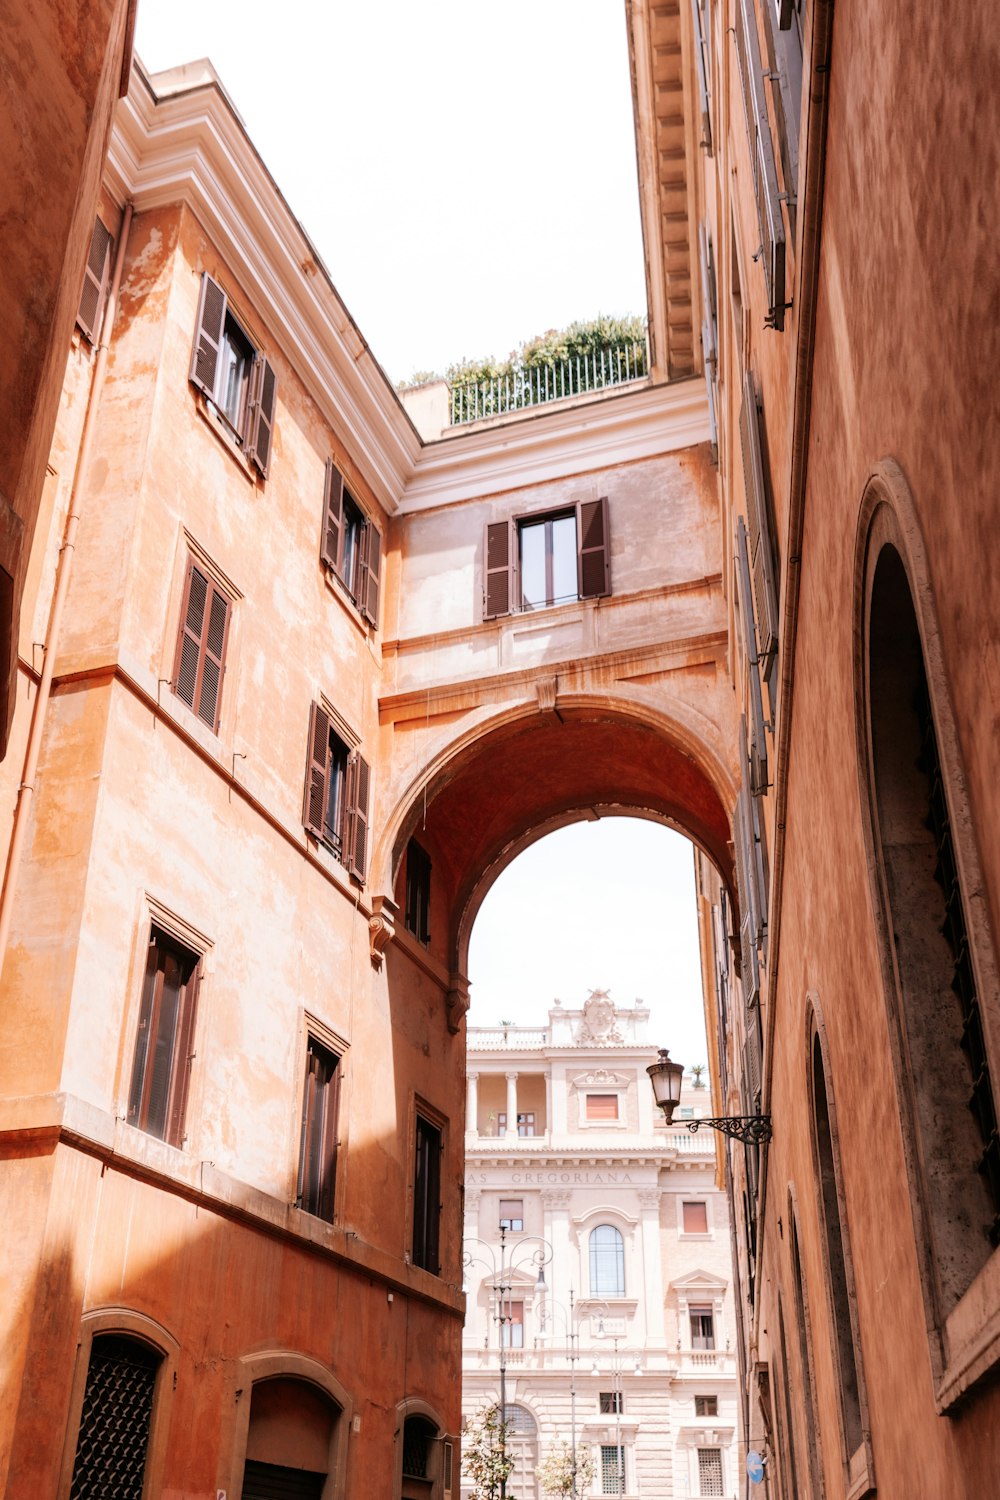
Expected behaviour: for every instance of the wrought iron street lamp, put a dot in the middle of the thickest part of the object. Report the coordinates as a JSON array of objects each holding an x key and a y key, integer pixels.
[
  {"x": 513, "y": 1257},
  {"x": 666, "y": 1077},
  {"x": 573, "y": 1341}
]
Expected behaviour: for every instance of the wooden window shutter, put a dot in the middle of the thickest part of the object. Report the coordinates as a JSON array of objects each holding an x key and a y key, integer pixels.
[
  {"x": 358, "y": 793},
  {"x": 333, "y": 515},
  {"x": 756, "y": 758},
  {"x": 763, "y": 171},
  {"x": 213, "y": 658},
  {"x": 208, "y": 336},
  {"x": 593, "y": 564},
  {"x": 201, "y": 646},
  {"x": 498, "y": 554},
  {"x": 368, "y": 599},
  {"x": 95, "y": 282},
  {"x": 183, "y": 1058},
  {"x": 317, "y": 770},
  {"x": 748, "y": 913},
  {"x": 260, "y": 421},
  {"x": 702, "y": 71},
  {"x": 758, "y": 519},
  {"x": 754, "y": 848}
]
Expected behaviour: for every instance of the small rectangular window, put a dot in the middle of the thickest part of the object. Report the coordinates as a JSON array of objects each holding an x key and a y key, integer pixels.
[
  {"x": 706, "y": 1406},
  {"x": 525, "y": 1122},
  {"x": 201, "y": 645},
  {"x": 96, "y": 281},
  {"x": 318, "y": 1138},
  {"x": 602, "y": 1106},
  {"x": 695, "y": 1218},
  {"x": 417, "y": 916},
  {"x": 512, "y": 1213},
  {"x": 611, "y": 1402},
  {"x": 351, "y": 544},
  {"x": 337, "y": 791},
  {"x": 538, "y": 561},
  {"x": 512, "y": 1325},
  {"x": 612, "y": 1469},
  {"x": 163, "y": 1046},
  {"x": 702, "y": 1328},
  {"x": 710, "y": 1471},
  {"x": 427, "y": 1196},
  {"x": 233, "y": 375}
]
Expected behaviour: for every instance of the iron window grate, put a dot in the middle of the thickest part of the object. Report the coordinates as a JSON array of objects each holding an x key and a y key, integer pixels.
[{"x": 114, "y": 1424}]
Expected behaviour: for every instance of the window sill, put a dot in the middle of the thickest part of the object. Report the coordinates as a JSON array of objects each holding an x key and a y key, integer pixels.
[
  {"x": 346, "y": 600},
  {"x": 224, "y": 434},
  {"x": 970, "y": 1338},
  {"x": 333, "y": 863}
]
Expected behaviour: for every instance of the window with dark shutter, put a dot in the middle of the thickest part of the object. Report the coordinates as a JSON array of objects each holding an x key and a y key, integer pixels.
[
  {"x": 201, "y": 645},
  {"x": 230, "y": 371},
  {"x": 351, "y": 544},
  {"x": 427, "y": 1196},
  {"x": 610, "y": 1402},
  {"x": 417, "y": 913},
  {"x": 337, "y": 792},
  {"x": 116, "y": 1418},
  {"x": 318, "y": 1140},
  {"x": 543, "y": 560},
  {"x": 96, "y": 278},
  {"x": 763, "y": 172},
  {"x": 758, "y": 524},
  {"x": 161, "y": 1066}
]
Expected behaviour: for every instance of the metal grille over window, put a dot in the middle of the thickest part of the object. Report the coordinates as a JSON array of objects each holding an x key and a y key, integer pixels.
[
  {"x": 710, "y": 1471},
  {"x": 114, "y": 1425},
  {"x": 612, "y": 1469}
]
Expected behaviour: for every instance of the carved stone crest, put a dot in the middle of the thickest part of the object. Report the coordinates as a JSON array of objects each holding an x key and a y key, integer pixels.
[{"x": 598, "y": 1025}]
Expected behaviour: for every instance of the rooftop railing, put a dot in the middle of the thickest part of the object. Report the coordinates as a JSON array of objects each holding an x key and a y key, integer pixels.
[
  {"x": 480, "y": 1037},
  {"x": 596, "y": 370}
]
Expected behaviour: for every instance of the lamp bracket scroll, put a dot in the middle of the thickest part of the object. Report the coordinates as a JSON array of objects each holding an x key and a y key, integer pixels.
[{"x": 752, "y": 1130}]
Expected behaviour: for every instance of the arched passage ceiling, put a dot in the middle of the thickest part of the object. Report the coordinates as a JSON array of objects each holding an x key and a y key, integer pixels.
[{"x": 537, "y": 770}]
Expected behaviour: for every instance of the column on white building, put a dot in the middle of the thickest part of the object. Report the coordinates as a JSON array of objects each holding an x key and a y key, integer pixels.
[
  {"x": 472, "y": 1107},
  {"x": 511, "y": 1105},
  {"x": 652, "y": 1267},
  {"x": 548, "y": 1102},
  {"x": 555, "y": 1208}
]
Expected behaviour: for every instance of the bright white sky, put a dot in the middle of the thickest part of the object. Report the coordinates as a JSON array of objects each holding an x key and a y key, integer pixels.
[
  {"x": 467, "y": 172},
  {"x": 466, "y": 169}
]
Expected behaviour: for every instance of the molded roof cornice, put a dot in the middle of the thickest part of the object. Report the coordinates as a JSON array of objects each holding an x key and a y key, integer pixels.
[
  {"x": 178, "y": 139},
  {"x": 549, "y": 444}
]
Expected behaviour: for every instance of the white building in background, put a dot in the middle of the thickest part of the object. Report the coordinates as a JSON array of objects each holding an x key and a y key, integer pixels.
[{"x": 566, "y": 1151}]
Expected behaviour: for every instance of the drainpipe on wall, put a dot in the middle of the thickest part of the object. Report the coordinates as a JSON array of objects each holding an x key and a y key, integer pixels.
[{"x": 64, "y": 569}]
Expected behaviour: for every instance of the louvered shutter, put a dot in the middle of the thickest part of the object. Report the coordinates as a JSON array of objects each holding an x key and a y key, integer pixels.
[
  {"x": 208, "y": 335},
  {"x": 183, "y": 1058},
  {"x": 757, "y": 750},
  {"x": 317, "y": 770},
  {"x": 749, "y": 919},
  {"x": 358, "y": 791},
  {"x": 763, "y": 171},
  {"x": 368, "y": 601},
  {"x": 757, "y": 888},
  {"x": 201, "y": 646},
  {"x": 333, "y": 515},
  {"x": 260, "y": 422},
  {"x": 593, "y": 548},
  {"x": 700, "y": 68},
  {"x": 95, "y": 282},
  {"x": 758, "y": 519},
  {"x": 498, "y": 554},
  {"x": 213, "y": 658}
]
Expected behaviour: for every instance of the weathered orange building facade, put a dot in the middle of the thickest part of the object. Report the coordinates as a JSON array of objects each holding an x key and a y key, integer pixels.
[{"x": 283, "y": 716}]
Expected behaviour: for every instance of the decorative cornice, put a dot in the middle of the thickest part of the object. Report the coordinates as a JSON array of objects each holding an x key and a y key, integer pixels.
[
  {"x": 178, "y": 139},
  {"x": 547, "y": 445}
]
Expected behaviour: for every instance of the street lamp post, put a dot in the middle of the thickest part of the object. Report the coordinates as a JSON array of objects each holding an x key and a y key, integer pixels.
[
  {"x": 512, "y": 1258},
  {"x": 616, "y": 1400},
  {"x": 573, "y": 1340}
]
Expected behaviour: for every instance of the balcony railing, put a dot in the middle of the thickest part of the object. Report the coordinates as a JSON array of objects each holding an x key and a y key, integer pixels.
[
  {"x": 600, "y": 369},
  {"x": 481, "y": 1038}
]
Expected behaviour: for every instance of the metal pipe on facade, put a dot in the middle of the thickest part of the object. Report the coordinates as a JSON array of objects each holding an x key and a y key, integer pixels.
[{"x": 64, "y": 570}]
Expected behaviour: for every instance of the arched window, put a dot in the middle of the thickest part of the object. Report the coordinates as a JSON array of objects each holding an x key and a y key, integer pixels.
[
  {"x": 804, "y": 1387},
  {"x": 837, "y": 1268},
  {"x": 292, "y": 1425},
  {"x": 935, "y": 997},
  {"x": 607, "y": 1262},
  {"x": 116, "y": 1418}
]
